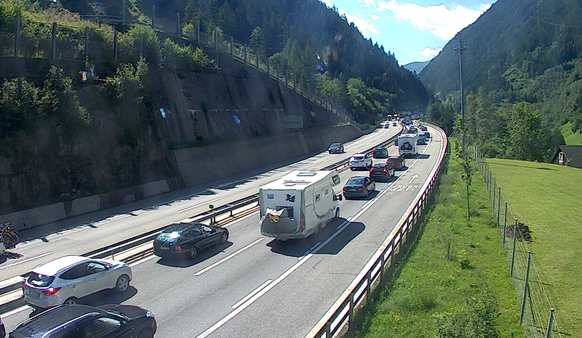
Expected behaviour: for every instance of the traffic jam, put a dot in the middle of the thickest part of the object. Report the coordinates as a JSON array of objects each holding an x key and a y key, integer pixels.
[{"x": 57, "y": 290}]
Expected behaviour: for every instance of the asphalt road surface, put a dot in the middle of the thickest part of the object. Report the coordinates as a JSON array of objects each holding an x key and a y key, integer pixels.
[{"x": 254, "y": 285}]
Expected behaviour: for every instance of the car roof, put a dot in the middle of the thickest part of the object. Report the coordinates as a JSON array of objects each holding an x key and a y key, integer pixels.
[
  {"x": 53, "y": 267},
  {"x": 179, "y": 226},
  {"x": 51, "y": 319}
]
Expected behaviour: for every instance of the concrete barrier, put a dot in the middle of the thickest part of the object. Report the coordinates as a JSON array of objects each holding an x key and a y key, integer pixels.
[{"x": 196, "y": 165}]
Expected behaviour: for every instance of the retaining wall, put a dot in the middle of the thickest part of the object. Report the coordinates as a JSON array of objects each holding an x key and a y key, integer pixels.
[{"x": 196, "y": 165}]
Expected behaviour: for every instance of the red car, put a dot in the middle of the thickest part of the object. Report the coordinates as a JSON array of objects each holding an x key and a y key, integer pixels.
[{"x": 396, "y": 161}]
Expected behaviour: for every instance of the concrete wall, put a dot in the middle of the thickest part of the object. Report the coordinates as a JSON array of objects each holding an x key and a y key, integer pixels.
[
  {"x": 59, "y": 211},
  {"x": 196, "y": 165},
  {"x": 200, "y": 164}
]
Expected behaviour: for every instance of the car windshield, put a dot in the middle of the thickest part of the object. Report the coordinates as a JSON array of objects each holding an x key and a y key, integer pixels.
[
  {"x": 358, "y": 158},
  {"x": 356, "y": 181},
  {"x": 335, "y": 145},
  {"x": 39, "y": 280}
]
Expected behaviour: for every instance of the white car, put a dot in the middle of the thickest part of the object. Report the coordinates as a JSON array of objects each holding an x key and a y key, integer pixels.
[
  {"x": 67, "y": 279},
  {"x": 361, "y": 161}
]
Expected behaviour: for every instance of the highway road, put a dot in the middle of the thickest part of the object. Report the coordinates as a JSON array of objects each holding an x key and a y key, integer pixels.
[{"x": 252, "y": 286}]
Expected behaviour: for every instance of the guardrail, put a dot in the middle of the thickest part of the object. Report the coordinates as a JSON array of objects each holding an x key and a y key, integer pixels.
[
  {"x": 343, "y": 310},
  {"x": 14, "y": 283}
]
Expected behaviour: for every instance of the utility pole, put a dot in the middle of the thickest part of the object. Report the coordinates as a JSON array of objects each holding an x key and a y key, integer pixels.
[{"x": 460, "y": 49}]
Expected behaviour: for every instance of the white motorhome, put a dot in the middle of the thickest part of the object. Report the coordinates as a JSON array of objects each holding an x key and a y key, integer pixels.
[
  {"x": 298, "y": 204},
  {"x": 407, "y": 144}
]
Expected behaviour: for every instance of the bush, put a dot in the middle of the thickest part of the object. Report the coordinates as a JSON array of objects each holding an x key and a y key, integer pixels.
[{"x": 479, "y": 320}]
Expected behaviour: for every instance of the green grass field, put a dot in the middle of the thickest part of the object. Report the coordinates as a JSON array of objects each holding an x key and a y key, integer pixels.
[
  {"x": 547, "y": 198},
  {"x": 455, "y": 281}
]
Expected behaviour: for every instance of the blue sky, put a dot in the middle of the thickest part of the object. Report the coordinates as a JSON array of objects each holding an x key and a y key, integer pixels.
[{"x": 413, "y": 30}]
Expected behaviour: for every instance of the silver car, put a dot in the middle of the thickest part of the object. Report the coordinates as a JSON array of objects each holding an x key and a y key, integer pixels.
[
  {"x": 67, "y": 279},
  {"x": 361, "y": 161}
]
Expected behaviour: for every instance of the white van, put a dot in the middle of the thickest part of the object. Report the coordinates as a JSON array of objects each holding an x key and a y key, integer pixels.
[
  {"x": 299, "y": 204},
  {"x": 407, "y": 144}
]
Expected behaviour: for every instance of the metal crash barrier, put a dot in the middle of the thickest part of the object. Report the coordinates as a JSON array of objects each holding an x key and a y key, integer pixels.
[{"x": 340, "y": 316}]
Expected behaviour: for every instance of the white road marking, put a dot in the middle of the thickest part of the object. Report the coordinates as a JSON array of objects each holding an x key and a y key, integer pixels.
[
  {"x": 271, "y": 285},
  {"x": 228, "y": 257},
  {"x": 413, "y": 178},
  {"x": 252, "y": 294},
  {"x": 254, "y": 298},
  {"x": 15, "y": 311}
]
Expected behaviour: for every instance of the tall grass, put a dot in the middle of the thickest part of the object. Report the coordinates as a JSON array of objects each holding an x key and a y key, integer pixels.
[{"x": 454, "y": 282}]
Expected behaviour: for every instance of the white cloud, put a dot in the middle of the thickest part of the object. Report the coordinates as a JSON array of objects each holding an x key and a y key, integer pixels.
[
  {"x": 368, "y": 3},
  {"x": 365, "y": 26},
  {"x": 439, "y": 20},
  {"x": 428, "y": 53},
  {"x": 327, "y": 3}
]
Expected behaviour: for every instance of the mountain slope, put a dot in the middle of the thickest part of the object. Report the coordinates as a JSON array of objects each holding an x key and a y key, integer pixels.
[
  {"x": 518, "y": 51},
  {"x": 303, "y": 36},
  {"x": 416, "y": 67}
]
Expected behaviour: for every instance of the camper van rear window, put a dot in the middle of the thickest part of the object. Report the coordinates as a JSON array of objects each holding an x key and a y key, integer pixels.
[
  {"x": 270, "y": 196},
  {"x": 288, "y": 209}
]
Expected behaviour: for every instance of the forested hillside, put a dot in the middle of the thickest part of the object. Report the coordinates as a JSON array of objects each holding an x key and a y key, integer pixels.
[
  {"x": 304, "y": 36},
  {"x": 521, "y": 61}
]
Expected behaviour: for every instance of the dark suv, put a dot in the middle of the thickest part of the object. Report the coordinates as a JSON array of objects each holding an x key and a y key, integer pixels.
[
  {"x": 336, "y": 148},
  {"x": 380, "y": 152},
  {"x": 79, "y": 321}
]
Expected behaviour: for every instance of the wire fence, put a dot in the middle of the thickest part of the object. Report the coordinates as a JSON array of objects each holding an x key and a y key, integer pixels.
[
  {"x": 64, "y": 41},
  {"x": 536, "y": 312}
]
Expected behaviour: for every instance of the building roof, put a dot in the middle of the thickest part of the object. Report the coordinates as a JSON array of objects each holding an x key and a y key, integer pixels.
[{"x": 572, "y": 155}]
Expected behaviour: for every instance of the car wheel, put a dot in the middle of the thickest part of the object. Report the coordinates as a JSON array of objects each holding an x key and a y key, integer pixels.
[
  {"x": 122, "y": 283},
  {"x": 193, "y": 252},
  {"x": 224, "y": 238},
  {"x": 146, "y": 334},
  {"x": 71, "y": 301}
]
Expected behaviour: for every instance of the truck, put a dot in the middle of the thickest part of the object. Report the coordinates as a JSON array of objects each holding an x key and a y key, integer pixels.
[
  {"x": 407, "y": 144},
  {"x": 299, "y": 204}
]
